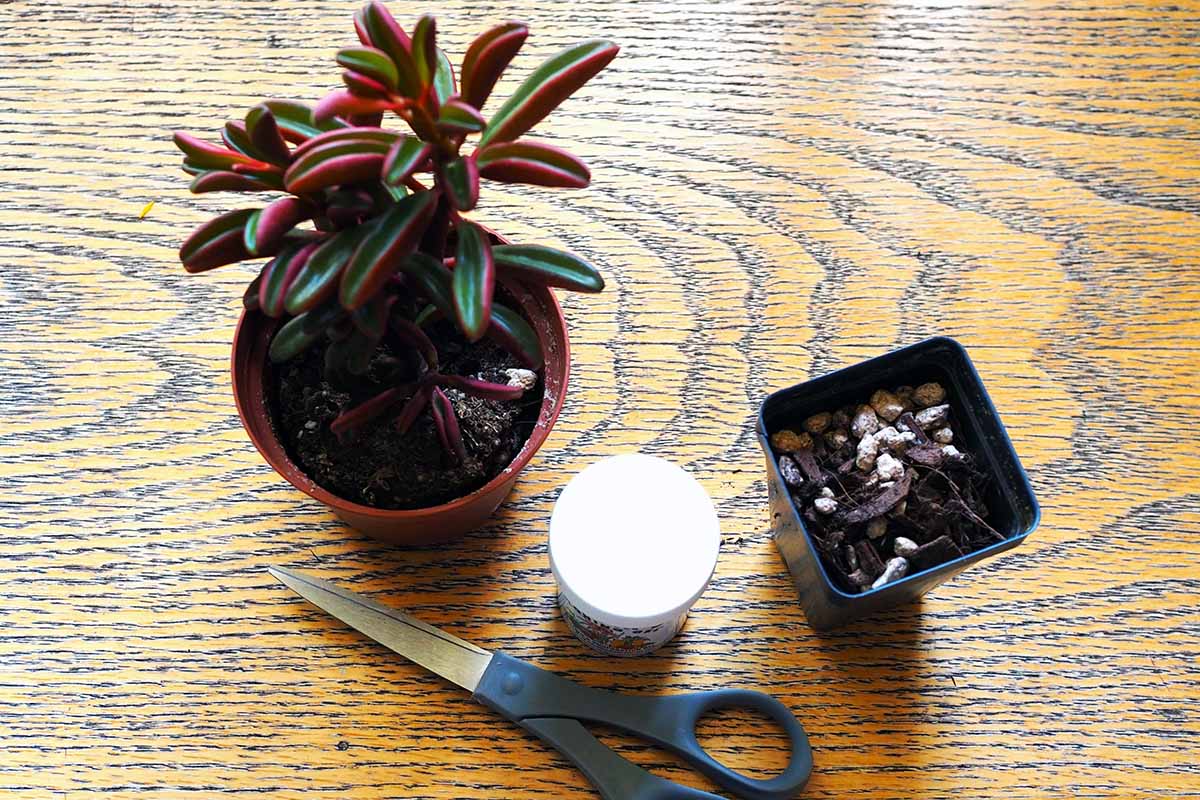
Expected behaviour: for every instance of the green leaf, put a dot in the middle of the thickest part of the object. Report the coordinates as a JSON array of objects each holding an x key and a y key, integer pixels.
[
  {"x": 319, "y": 277},
  {"x": 292, "y": 339},
  {"x": 395, "y": 237},
  {"x": 460, "y": 180},
  {"x": 550, "y": 84},
  {"x": 296, "y": 123},
  {"x": 217, "y": 242},
  {"x": 547, "y": 266},
  {"x": 487, "y": 58},
  {"x": 265, "y": 135},
  {"x": 432, "y": 279},
  {"x": 388, "y": 36},
  {"x": 341, "y": 161},
  {"x": 358, "y": 133},
  {"x": 474, "y": 280},
  {"x": 371, "y": 62},
  {"x": 235, "y": 137},
  {"x": 457, "y": 116},
  {"x": 443, "y": 78},
  {"x": 424, "y": 48},
  {"x": 515, "y": 334},
  {"x": 536, "y": 163},
  {"x": 407, "y": 153},
  {"x": 372, "y": 318}
]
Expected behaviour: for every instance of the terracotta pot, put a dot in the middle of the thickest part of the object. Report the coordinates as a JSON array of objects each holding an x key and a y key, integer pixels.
[{"x": 417, "y": 526}]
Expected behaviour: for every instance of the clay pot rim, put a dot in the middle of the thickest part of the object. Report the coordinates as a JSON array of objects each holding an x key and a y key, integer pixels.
[{"x": 249, "y": 326}]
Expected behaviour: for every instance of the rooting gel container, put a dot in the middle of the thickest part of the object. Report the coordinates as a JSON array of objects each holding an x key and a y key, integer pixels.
[{"x": 633, "y": 543}]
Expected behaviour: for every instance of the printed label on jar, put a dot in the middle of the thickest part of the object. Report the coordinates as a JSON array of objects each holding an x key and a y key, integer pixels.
[{"x": 618, "y": 641}]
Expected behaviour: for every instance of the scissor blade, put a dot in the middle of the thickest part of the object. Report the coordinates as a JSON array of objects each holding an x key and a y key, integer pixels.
[{"x": 437, "y": 651}]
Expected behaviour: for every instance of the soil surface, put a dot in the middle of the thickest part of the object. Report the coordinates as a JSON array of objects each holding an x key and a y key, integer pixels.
[{"x": 378, "y": 466}]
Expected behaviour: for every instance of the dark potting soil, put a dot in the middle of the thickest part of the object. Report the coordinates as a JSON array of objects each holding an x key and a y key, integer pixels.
[
  {"x": 886, "y": 487},
  {"x": 381, "y": 467}
]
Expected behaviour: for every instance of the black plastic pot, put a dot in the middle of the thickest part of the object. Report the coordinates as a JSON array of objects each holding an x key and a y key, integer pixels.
[{"x": 1014, "y": 509}]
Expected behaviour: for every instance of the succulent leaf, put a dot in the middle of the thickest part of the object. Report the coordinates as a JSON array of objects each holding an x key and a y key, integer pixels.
[
  {"x": 278, "y": 276},
  {"x": 457, "y": 116},
  {"x": 412, "y": 334},
  {"x": 319, "y": 278},
  {"x": 547, "y": 266},
  {"x": 371, "y": 319},
  {"x": 340, "y": 161},
  {"x": 204, "y": 155},
  {"x": 372, "y": 62},
  {"x": 550, "y": 84},
  {"x": 296, "y": 121},
  {"x": 341, "y": 134},
  {"x": 460, "y": 180},
  {"x": 362, "y": 86},
  {"x": 515, "y": 335},
  {"x": 250, "y": 297},
  {"x": 364, "y": 412},
  {"x": 221, "y": 181},
  {"x": 266, "y": 227},
  {"x": 444, "y": 85},
  {"x": 292, "y": 339},
  {"x": 474, "y": 280},
  {"x": 393, "y": 239},
  {"x": 424, "y": 48},
  {"x": 532, "y": 162},
  {"x": 446, "y": 422},
  {"x": 405, "y": 156},
  {"x": 487, "y": 58},
  {"x": 385, "y": 32},
  {"x": 217, "y": 242},
  {"x": 341, "y": 103},
  {"x": 264, "y": 134},
  {"x": 433, "y": 280},
  {"x": 235, "y": 138}
]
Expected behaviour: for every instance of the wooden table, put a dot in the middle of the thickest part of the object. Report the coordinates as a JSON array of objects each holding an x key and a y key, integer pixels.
[{"x": 780, "y": 189}]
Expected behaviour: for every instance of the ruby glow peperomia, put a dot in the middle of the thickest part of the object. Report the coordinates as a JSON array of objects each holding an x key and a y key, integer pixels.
[{"x": 367, "y": 211}]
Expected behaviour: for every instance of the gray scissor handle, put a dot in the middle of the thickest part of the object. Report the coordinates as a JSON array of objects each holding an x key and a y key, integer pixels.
[{"x": 553, "y": 707}]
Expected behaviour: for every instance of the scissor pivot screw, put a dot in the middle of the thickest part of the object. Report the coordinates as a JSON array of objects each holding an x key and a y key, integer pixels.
[{"x": 512, "y": 684}]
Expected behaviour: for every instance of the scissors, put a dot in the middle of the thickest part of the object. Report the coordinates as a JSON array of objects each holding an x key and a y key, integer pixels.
[{"x": 553, "y": 708}]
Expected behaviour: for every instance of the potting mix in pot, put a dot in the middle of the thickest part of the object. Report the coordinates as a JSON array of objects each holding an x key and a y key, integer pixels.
[
  {"x": 404, "y": 377},
  {"x": 885, "y": 487}
]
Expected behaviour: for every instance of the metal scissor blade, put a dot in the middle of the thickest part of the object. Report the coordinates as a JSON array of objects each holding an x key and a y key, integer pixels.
[{"x": 437, "y": 651}]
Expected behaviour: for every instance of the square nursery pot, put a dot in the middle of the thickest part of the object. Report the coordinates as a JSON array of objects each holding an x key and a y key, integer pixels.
[{"x": 1014, "y": 509}]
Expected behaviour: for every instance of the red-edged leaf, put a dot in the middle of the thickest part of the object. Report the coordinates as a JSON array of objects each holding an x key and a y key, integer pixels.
[
  {"x": 360, "y": 27},
  {"x": 217, "y": 242},
  {"x": 372, "y": 62},
  {"x": 250, "y": 298},
  {"x": 412, "y": 335},
  {"x": 413, "y": 408},
  {"x": 278, "y": 275},
  {"x": 296, "y": 122},
  {"x": 235, "y": 138},
  {"x": 457, "y": 116},
  {"x": 342, "y": 134},
  {"x": 424, "y": 48},
  {"x": 460, "y": 180},
  {"x": 341, "y": 161},
  {"x": 218, "y": 181},
  {"x": 319, "y": 278},
  {"x": 371, "y": 319},
  {"x": 532, "y": 162},
  {"x": 387, "y": 35},
  {"x": 487, "y": 58},
  {"x": 406, "y": 156},
  {"x": 444, "y": 85},
  {"x": 484, "y": 389},
  {"x": 446, "y": 422},
  {"x": 381, "y": 253},
  {"x": 474, "y": 280},
  {"x": 266, "y": 228},
  {"x": 204, "y": 155},
  {"x": 516, "y": 336},
  {"x": 341, "y": 103},
  {"x": 292, "y": 339},
  {"x": 264, "y": 134},
  {"x": 364, "y": 412},
  {"x": 362, "y": 86},
  {"x": 432, "y": 280},
  {"x": 550, "y": 84},
  {"x": 548, "y": 267}
]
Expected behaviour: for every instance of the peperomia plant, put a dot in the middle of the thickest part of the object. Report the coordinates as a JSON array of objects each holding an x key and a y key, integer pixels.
[{"x": 361, "y": 228}]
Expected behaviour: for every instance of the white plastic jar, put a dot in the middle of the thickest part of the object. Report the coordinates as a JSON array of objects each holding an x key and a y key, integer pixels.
[{"x": 634, "y": 541}]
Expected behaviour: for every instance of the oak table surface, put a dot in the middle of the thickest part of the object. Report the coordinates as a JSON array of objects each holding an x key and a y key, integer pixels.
[{"x": 780, "y": 189}]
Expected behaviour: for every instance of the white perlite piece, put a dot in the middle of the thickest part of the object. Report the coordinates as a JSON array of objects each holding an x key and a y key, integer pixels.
[
  {"x": 896, "y": 569},
  {"x": 865, "y": 422},
  {"x": 886, "y": 404},
  {"x": 893, "y": 439},
  {"x": 525, "y": 378},
  {"x": 825, "y": 505},
  {"x": 888, "y": 468},
  {"x": 876, "y": 528},
  {"x": 928, "y": 394},
  {"x": 934, "y": 417},
  {"x": 826, "y": 492},
  {"x": 905, "y": 547},
  {"x": 868, "y": 448},
  {"x": 942, "y": 436},
  {"x": 951, "y": 452}
]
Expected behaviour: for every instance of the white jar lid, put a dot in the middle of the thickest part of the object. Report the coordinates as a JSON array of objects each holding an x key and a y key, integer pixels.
[{"x": 633, "y": 541}]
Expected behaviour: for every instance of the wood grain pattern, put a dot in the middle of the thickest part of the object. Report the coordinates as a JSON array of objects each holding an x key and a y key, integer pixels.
[{"x": 780, "y": 189}]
